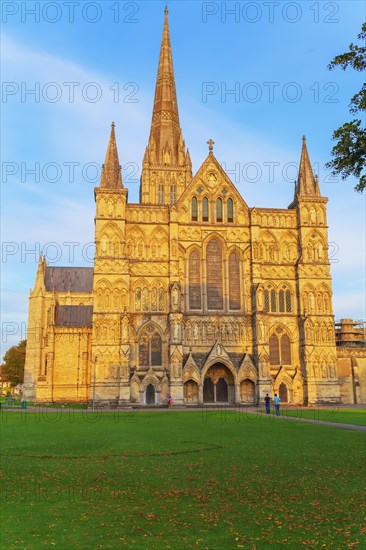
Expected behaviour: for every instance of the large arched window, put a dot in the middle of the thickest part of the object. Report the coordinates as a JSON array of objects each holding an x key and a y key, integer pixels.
[
  {"x": 219, "y": 210},
  {"x": 194, "y": 209},
  {"x": 150, "y": 349},
  {"x": 194, "y": 281},
  {"x": 274, "y": 350},
  {"x": 205, "y": 209},
  {"x": 214, "y": 275},
  {"x": 156, "y": 350},
  {"x": 230, "y": 211},
  {"x": 285, "y": 350},
  {"x": 234, "y": 281}
]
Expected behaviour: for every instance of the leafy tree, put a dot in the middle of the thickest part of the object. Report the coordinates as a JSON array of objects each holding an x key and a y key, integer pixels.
[
  {"x": 13, "y": 365},
  {"x": 349, "y": 153}
]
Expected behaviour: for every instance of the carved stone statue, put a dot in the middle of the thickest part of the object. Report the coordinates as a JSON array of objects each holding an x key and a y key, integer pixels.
[
  {"x": 176, "y": 331},
  {"x": 260, "y": 299},
  {"x": 175, "y": 298}
]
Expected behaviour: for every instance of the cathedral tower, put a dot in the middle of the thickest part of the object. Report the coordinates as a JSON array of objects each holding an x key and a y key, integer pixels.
[
  {"x": 317, "y": 349},
  {"x": 167, "y": 167},
  {"x": 110, "y": 344}
]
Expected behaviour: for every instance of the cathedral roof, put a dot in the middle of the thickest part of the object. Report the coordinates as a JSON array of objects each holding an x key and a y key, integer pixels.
[
  {"x": 69, "y": 279},
  {"x": 74, "y": 316}
]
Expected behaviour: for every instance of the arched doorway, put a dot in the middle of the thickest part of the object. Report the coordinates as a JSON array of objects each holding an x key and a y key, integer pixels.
[
  {"x": 191, "y": 391},
  {"x": 283, "y": 392},
  {"x": 222, "y": 395},
  {"x": 218, "y": 386},
  {"x": 150, "y": 395},
  {"x": 247, "y": 391},
  {"x": 208, "y": 391}
]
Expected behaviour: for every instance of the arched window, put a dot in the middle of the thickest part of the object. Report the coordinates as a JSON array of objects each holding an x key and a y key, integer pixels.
[
  {"x": 144, "y": 351},
  {"x": 281, "y": 300},
  {"x": 266, "y": 300},
  {"x": 274, "y": 350},
  {"x": 230, "y": 211},
  {"x": 154, "y": 299},
  {"x": 214, "y": 275},
  {"x": 150, "y": 349},
  {"x": 161, "y": 193},
  {"x": 156, "y": 349},
  {"x": 145, "y": 299},
  {"x": 273, "y": 301},
  {"x": 194, "y": 209},
  {"x": 194, "y": 281},
  {"x": 173, "y": 194},
  {"x": 288, "y": 301},
  {"x": 138, "y": 299},
  {"x": 205, "y": 209},
  {"x": 234, "y": 281},
  {"x": 285, "y": 350},
  {"x": 161, "y": 299},
  {"x": 219, "y": 210}
]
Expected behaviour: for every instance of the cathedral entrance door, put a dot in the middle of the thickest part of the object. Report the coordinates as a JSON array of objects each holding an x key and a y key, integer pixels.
[
  {"x": 150, "y": 395},
  {"x": 208, "y": 391},
  {"x": 222, "y": 395},
  {"x": 248, "y": 391},
  {"x": 218, "y": 386},
  {"x": 283, "y": 393},
  {"x": 191, "y": 391}
]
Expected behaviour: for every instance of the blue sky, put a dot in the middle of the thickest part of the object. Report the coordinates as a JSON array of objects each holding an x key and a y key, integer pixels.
[{"x": 273, "y": 56}]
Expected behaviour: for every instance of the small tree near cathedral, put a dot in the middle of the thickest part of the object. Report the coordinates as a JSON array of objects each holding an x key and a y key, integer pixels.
[
  {"x": 349, "y": 153},
  {"x": 13, "y": 365}
]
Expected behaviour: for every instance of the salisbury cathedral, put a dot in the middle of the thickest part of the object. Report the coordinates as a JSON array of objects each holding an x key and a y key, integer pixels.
[{"x": 193, "y": 293}]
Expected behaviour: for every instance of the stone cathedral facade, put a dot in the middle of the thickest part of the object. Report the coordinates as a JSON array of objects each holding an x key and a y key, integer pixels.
[{"x": 193, "y": 293}]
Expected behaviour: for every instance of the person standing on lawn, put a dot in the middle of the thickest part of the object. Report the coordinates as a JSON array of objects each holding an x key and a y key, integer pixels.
[
  {"x": 277, "y": 401},
  {"x": 267, "y": 401}
]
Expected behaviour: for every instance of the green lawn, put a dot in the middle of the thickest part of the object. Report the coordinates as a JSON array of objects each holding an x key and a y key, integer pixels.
[
  {"x": 156, "y": 480},
  {"x": 329, "y": 414}
]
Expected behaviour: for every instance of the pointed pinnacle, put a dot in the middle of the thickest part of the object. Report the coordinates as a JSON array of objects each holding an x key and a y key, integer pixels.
[
  {"x": 306, "y": 181},
  {"x": 111, "y": 173}
]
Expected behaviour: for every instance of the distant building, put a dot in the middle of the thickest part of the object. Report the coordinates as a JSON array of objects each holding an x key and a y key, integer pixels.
[
  {"x": 351, "y": 364},
  {"x": 193, "y": 293}
]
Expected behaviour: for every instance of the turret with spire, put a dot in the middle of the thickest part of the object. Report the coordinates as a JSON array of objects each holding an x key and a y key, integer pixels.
[
  {"x": 111, "y": 170},
  {"x": 111, "y": 198},
  {"x": 167, "y": 166},
  {"x": 306, "y": 185}
]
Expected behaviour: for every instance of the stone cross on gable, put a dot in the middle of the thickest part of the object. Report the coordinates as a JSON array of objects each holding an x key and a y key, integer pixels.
[{"x": 210, "y": 144}]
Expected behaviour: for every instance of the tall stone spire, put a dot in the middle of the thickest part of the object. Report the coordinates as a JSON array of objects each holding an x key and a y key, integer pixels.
[
  {"x": 165, "y": 128},
  {"x": 111, "y": 170},
  {"x": 307, "y": 185},
  {"x": 166, "y": 166}
]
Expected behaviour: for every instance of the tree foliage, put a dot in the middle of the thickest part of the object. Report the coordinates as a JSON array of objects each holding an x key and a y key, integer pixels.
[
  {"x": 349, "y": 153},
  {"x": 13, "y": 365}
]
